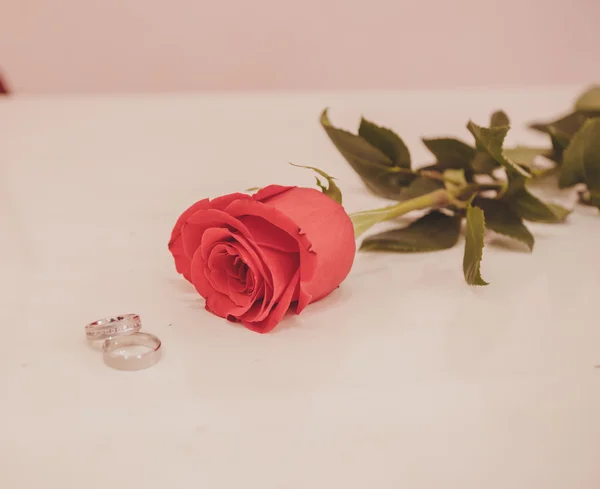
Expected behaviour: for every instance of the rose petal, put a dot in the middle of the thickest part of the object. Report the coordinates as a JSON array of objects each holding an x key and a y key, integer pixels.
[
  {"x": 240, "y": 297},
  {"x": 223, "y": 306},
  {"x": 303, "y": 297},
  {"x": 249, "y": 280},
  {"x": 283, "y": 267},
  {"x": 269, "y": 191},
  {"x": 275, "y": 266},
  {"x": 217, "y": 265},
  {"x": 247, "y": 253},
  {"x": 215, "y": 238},
  {"x": 239, "y": 275},
  {"x": 220, "y": 257},
  {"x": 308, "y": 259},
  {"x": 278, "y": 311},
  {"x": 199, "y": 222},
  {"x": 331, "y": 233},
  {"x": 236, "y": 285},
  {"x": 221, "y": 203},
  {"x": 182, "y": 261},
  {"x": 198, "y": 272},
  {"x": 265, "y": 233},
  {"x": 200, "y": 205},
  {"x": 216, "y": 302}
]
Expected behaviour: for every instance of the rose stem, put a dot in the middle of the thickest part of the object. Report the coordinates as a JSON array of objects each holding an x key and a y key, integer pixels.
[{"x": 365, "y": 219}]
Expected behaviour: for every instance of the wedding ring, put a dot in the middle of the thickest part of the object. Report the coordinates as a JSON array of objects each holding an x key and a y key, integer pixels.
[
  {"x": 132, "y": 352},
  {"x": 114, "y": 326}
]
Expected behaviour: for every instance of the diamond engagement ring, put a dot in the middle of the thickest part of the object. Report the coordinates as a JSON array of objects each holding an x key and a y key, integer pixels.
[{"x": 114, "y": 326}]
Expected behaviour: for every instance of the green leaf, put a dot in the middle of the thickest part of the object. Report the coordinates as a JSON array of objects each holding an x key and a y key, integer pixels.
[
  {"x": 559, "y": 212},
  {"x": 374, "y": 167},
  {"x": 474, "y": 246},
  {"x": 252, "y": 189},
  {"x": 502, "y": 219},
  {"x": 559, "y": 137},
  {"x": 387, "y": 141},
  {"x": 571, "y": 168},
  {"x": 594, "y": 174},
  {"x": 529, "y": 207},
  {"x": 560, "y": 142},
  {"x": 560, "y": 132},
  {"x": 484, "y": 163},
  {"x": 589, "y": 101},
  {"x": 533, "y": 209},
  {"x": 420, "y": 186},
  {"x": 491, "y": 140},
  {"x": 321, "y": 185},
  {"x": 450, "y": 153},
  {"x": 332, "y": 190},
  {"x": 581, "y": 160},
  {"x": 499, "y": 119},
  {"x": 566, "y": 126},
  {"x": 525, "y": 155},
  {"x": 432, "y": 232}
]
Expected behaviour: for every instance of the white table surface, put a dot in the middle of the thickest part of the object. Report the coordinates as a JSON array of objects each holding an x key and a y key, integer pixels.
[{"x": 403, "y": 378}]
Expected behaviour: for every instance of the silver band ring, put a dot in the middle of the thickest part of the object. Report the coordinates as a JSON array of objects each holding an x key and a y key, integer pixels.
[
  {"x": 132, "y": 352},
  {"x": 113, "y": 326}
]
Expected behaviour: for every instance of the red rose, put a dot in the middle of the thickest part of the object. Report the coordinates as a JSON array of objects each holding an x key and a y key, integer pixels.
[{"x": 252, "y": 256}]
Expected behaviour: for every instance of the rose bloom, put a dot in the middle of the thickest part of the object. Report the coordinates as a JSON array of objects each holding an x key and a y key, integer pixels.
[{"x": 252, "y": 257}]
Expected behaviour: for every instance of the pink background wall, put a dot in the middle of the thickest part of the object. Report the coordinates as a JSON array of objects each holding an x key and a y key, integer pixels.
[{"x": 151, "y": 45}]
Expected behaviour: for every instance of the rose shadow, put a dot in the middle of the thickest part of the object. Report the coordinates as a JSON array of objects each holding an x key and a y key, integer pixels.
[{"x": 292, "y": 320}]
